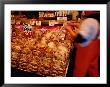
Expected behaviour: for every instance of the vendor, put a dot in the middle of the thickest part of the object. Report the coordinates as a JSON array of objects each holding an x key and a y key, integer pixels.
[{"x": 87, "y": 47}]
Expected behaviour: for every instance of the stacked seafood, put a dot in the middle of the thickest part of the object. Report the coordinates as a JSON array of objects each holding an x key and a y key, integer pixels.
[{"x": 45, "y": 52}]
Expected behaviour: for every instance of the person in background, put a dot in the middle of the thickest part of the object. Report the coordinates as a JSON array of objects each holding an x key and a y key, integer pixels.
[{"x": 87, "y": 44}]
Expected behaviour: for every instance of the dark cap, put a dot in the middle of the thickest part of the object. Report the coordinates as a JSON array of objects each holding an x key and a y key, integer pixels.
[{"x": 95, "y": 16}]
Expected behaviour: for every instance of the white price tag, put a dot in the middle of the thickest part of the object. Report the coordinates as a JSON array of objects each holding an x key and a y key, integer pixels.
[
  {"x": 51, "y": 23},
  {"x": 38, "y": 23}
]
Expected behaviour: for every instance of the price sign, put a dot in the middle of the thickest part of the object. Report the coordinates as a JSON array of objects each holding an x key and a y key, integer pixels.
[
  {"x": 38, "y": 23},
  {"x": 51, "y": 23}
]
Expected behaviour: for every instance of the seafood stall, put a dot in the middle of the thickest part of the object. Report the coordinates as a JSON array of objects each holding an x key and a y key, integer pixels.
[{"x": 41, "y": 45}]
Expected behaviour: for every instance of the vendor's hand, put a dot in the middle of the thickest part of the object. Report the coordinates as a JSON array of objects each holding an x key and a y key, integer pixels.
[
  {"x": 74, "y": 24},
  {"x": 67, "y": 26},
  {"x": 71, "y": 29}
]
